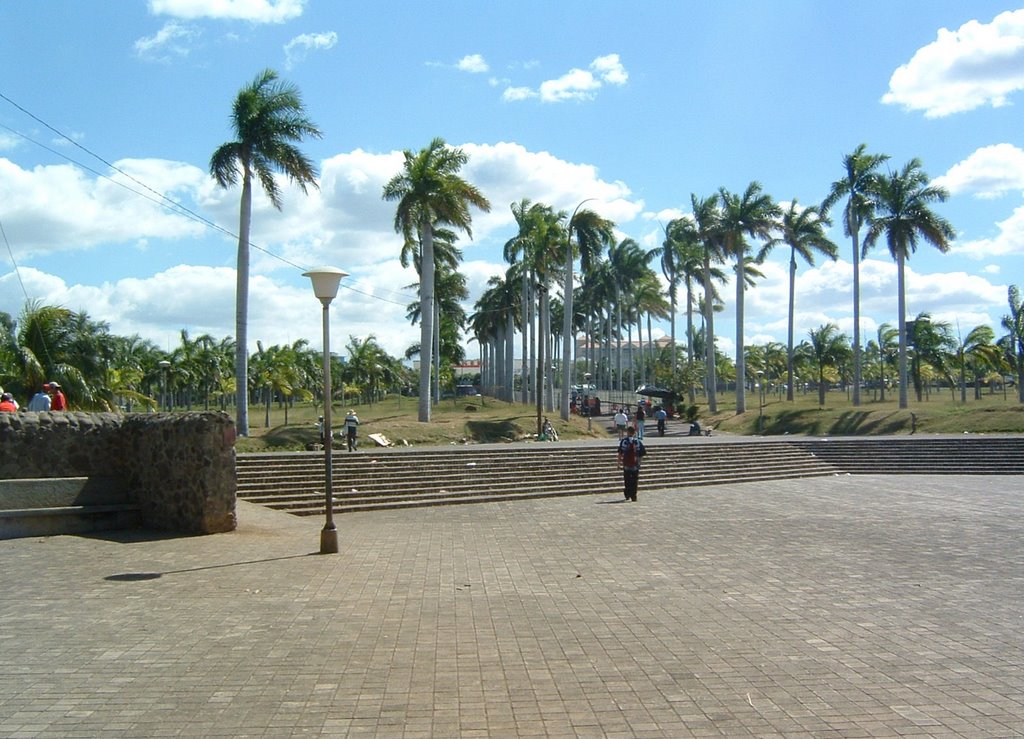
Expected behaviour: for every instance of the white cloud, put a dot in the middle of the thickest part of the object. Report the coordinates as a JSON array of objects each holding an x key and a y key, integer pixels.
[
  {"x": 514, "y": 94},
  {"x": 989, "y": 172},
  {"x": 299, "y": 47},
  {"x": 473, "y": 63},
  {"x": 961, "y": 70},
  {"x": 1009, "y": 240},
  {"x": 58, "y": 208},
  {"x": 255, "y": 11},
  {"x": 173, "y": 40},
  {"x": 9, "y": 141},
  {"x": 610, "y": 69},
  {"x": 576, "y": 84}
]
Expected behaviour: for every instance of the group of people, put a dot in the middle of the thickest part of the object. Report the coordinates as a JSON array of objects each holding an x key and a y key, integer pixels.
[
  {"x": 351, "y": 425},
  {"x": 49, "y": 398},
  {"x": 643, "y": 412}
]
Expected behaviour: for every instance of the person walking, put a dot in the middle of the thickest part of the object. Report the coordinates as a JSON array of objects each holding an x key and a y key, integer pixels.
[
  {"x": 641, "y": 416},
  {"x": 41, "y": 400},
  {"x": 660, "y": 415},
  {"x": 621, "y": 419},
  {"x": 351, "y": 424},
  {"x": 631, "y": 450}
]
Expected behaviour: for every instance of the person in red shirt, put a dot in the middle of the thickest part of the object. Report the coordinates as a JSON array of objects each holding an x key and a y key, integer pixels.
[
  {"x": 58, "y": 401},
  {"x": 7, "y": 403}
]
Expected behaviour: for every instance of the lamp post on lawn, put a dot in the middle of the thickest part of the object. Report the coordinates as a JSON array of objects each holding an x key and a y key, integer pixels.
[
  {"x": 760, "y": 401},
  {"x": 586, "y": 398},
  {"x": 164, "y": 367},
  {"x": 325, "y": 286}
]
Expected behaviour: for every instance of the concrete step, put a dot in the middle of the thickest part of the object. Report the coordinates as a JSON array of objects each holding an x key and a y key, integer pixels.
[{"x": 385, "y": 478}]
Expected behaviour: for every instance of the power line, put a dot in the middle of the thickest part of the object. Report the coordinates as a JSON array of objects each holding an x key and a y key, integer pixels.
[{"x": 157, "y": 197}]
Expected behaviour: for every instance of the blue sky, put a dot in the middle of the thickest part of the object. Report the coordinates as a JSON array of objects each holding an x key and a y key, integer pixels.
[{"x": 637, "y": 105}]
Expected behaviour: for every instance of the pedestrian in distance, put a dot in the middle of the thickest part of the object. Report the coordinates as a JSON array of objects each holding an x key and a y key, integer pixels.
[
  {"x": 631, "y": 450},
  {"x": 621, "y": 419},
  {"x": 7, "y": 403},
  {"x": 660, "y": 416},
  {"x": 641, "y": 416},
  {"x": 41, "y": 400},
  {"x": 351, "y": 424}
]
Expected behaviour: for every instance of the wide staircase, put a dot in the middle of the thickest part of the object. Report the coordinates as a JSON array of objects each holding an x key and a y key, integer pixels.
[{"x": 395, "y": 478}]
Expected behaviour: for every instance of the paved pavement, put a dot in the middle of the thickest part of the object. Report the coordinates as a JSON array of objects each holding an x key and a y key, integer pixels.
[{"x": 831, "y": 607}]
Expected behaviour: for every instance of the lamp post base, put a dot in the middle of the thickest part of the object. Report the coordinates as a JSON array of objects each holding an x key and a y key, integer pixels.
[{"x": 328, "y": 541}]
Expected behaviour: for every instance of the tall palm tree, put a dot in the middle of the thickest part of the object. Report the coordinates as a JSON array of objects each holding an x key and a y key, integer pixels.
[
  {"x": 268, "y": 118},
  {"x": 430, "y": 193},
  {"x": 904, "y": 216},
  {"x": 593, "y": 233},
  {"x": 628, "y": 263},
  {"x": 803, "y": 230},
  {"x": 1013, "y": 322},
  {"x": 752, "y": 214},
  {"x": 522, "y": 251},
  {"x": 858, "y": 186},
  {"x": 706, "y": 218}
]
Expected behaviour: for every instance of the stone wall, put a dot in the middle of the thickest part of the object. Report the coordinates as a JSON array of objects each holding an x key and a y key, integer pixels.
[{"x": 179, "y": 468}]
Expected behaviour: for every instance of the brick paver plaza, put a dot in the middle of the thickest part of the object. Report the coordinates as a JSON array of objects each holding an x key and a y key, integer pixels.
[{"x": 846, "y": 607}]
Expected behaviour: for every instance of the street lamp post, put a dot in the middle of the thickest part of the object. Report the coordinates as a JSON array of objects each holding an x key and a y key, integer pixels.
[
  {"x": 760, "y": 401},
  {"x": 325, "y": 286},
  {"x": 164, "y": 367},
  {"x": 586, "y": 398}
]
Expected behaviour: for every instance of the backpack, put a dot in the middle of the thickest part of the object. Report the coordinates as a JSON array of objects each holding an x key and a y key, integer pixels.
[{"x": 630, "y": 453}]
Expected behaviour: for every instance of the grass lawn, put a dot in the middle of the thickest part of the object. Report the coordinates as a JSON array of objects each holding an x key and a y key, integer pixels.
[{"x": 478, "y": 420}]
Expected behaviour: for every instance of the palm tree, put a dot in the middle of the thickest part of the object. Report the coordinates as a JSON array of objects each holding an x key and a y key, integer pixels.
[
  {"x": 706, "y": 217},
  {"x": 803, "y": 229},
  {"x": 934, "y": 351},
  {"x": 888, "y": 348},
  {"x": 1013, "y": 322},
  {"x": 753, "y": 214},
  {"x": 627, "y": 262},
  {"x": 430, "y": 193},
  {"x": 903, "y": 216},
  {"x": 592, "y": 233},
  {"x": 268, "y": 118},
  {"x": 828, "y": 349},
  {"x": 979, "y": 352},
  {"x": 857, "y": 186}
]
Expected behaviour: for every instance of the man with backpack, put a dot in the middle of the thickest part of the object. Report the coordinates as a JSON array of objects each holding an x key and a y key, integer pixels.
[{"x": 631, "y": 449}]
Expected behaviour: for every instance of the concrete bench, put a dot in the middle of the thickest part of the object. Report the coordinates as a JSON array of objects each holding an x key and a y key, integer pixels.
[{"x": 64, "y": 505}]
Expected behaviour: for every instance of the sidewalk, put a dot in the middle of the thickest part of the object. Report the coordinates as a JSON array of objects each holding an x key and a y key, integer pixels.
[{"x": 850, "y": 606}]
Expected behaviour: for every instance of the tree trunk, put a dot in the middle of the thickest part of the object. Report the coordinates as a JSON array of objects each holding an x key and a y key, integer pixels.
[
  {"x": 902, "y": 308},
  {"x": 525, "y": 317},
  {"x": 709, "y": 350},
  {"x": 854, "y": 221},
  {"x": 741, "y": 375},
  {"x": 567, "y": 327},
  {"x": 242, "y": 307},
  {"x": 792, "y": 308},
  {"x": 426, "y": 317}
]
